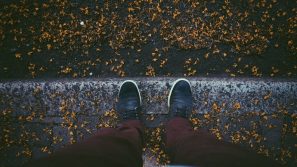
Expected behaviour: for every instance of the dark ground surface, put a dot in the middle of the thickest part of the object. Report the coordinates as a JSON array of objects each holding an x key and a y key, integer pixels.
[{"x": 76, "y": 38}]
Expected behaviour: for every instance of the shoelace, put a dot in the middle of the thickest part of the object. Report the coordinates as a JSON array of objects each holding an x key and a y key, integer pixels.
[
  {"x": 131, "y": 113},
  {"x": 182, "y": 111}
]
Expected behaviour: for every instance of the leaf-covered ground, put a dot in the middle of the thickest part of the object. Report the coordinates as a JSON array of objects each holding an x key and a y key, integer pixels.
[
  {"x": 38, "y": 118},
  {"x": 126, "y": 38},
  {"x": 73, "y": 38}
]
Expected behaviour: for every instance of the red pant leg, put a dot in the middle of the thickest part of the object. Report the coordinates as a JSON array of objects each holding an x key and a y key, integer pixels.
[
  {"x": 188, "y": 147},
  {"x": 110, "y": 147}
]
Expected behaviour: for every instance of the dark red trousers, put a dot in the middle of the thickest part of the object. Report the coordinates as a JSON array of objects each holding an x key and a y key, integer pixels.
[{"x": 122, "y": 147}]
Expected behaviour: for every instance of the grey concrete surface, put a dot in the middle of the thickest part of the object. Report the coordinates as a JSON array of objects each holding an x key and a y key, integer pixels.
[{"x": 98, "y": 95}]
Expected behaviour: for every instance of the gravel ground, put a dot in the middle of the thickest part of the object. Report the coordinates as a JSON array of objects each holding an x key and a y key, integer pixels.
[
  {"x": 37, "y": 118},
  {"x": 74, "y": 38},
  {"x": 83, "y": 39}
]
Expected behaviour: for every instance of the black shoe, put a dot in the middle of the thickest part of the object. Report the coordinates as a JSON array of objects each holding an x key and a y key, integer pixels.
[
  {"x": 180, "y": 100},
  {"x": 129, "y": 101}
]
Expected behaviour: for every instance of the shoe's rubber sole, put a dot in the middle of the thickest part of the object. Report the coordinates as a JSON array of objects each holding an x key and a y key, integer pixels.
[
  {"x": 174, "y": 83},
  {"x": 135, "y": 86}
]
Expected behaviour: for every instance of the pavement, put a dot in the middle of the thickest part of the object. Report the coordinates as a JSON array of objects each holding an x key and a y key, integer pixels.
[
  {"x": 40, "y": 116},
  {"x": 79, "y": 39}
]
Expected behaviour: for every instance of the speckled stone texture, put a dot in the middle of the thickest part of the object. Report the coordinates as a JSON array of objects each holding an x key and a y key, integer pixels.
[{"x": 38, "y": 117}]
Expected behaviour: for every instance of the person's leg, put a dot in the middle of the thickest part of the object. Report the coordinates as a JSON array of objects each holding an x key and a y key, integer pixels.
[
  {"x": 199, "y": 148},
  {"x": 121, "y": 146}
]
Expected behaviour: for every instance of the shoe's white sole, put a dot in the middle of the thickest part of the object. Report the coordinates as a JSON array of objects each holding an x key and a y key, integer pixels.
[
  {"x": 175, "y": 82},
  {"x": 136, "y": 87}
]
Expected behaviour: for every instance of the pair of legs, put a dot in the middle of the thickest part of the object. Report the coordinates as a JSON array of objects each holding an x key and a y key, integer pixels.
[{"x": 122, "y": 146}]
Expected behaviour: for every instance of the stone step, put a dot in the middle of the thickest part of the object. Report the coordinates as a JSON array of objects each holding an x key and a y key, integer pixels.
[
  {"x": 97, "y": 95},
  {"x": 231, "y": 108}
]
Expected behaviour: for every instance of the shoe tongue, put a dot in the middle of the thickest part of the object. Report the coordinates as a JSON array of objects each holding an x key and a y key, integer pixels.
[
  {"x": 178, "y": 104},
  {"x": 131, "y": 104},
  {"x": 181, "y": 106},
  {"x": 180, "y": 110}
]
